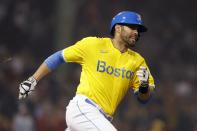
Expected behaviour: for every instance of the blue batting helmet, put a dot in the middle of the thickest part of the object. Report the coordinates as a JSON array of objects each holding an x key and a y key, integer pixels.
[{"x": 128, "y": 18}]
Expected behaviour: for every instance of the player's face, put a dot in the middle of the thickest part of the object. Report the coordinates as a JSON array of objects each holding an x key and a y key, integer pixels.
[{"x": 129, "y": 34}]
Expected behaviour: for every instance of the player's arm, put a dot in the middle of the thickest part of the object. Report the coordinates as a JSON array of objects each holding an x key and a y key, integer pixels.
[
  {"x": 74, "y": 53},
  {"x": 51, "y": 63},
  {"x": 145, "y": 89},
  {"x": 42, "y": 71}
]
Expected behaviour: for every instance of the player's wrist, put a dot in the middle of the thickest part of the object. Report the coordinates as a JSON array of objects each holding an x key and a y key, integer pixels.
[
  {"x": 144, "y": 87},
  {"x": 33, "y": 80}
]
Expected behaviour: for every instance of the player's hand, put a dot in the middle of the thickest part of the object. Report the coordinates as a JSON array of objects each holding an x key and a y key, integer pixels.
[
  {"x": 26, "y": 87},
  {"x": 143, "y": 74}
]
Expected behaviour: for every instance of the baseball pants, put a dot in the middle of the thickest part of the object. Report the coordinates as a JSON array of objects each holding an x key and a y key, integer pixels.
[{"x": 82, "y": 114}]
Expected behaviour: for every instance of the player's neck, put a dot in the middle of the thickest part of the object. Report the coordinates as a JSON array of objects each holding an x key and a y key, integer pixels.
[{"x": 118, "y": 44}]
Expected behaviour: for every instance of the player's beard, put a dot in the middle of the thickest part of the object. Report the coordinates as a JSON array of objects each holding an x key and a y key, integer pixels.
[{"x": 129, "y": 40}]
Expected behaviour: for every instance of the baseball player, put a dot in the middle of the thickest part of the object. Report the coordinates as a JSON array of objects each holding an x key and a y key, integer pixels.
[{"x": 109, "y": 68}]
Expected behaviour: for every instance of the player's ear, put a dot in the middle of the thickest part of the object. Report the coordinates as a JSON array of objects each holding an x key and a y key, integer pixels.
[{"x": 117, "y": 28}]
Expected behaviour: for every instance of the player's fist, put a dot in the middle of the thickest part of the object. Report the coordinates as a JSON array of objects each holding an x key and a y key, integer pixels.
[
  {"x": 26, "y": 87},
  {"x": 143, "y": 74}
]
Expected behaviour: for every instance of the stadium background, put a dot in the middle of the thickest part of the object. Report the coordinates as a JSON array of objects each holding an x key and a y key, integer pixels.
[{"x": 31, "y": 30}]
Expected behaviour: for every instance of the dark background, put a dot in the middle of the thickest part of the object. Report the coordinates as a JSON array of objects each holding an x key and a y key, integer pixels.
[{"x": 31, "y": 30}]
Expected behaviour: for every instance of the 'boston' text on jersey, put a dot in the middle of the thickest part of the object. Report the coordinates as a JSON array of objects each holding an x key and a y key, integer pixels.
[{"x": 118, "y": 72}]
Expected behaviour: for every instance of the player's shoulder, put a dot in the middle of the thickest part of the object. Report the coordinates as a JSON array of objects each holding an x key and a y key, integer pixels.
[
  {"x": 94, "y": 39},
  {"x": 135, "y": 54}
]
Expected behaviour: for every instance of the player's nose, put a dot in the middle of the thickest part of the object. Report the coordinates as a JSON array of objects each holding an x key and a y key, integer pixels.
[{"x": 135, "y": 32}]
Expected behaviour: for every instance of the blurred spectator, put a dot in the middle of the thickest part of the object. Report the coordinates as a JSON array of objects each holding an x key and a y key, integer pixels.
[{"x": 23, "y": 121}]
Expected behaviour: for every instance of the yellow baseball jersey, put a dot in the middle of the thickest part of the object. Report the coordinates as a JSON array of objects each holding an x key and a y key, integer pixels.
[{"x": 107, "y": 73}]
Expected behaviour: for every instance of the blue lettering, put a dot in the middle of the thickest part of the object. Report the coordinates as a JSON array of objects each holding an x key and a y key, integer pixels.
[
  {"x": 110, "y": 70},
  {"x": 123, "y": 70},
  {"x": 129, "y": 74},
  {"x": 117, "y": 72},
  {"x": 102, "y": 67}
]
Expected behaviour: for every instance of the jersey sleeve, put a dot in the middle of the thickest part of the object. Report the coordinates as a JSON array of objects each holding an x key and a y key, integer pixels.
[
  {"x": 135, "y": 81},
  {"x": 75, "y": 53}
]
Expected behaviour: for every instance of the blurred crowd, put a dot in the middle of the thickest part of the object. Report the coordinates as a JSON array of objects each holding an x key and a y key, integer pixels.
[{"x": 27, "y": 29}]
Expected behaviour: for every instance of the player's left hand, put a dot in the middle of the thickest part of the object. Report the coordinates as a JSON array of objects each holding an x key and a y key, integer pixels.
[
  {"x": 143, "y": 74},
  {"x": 26, "y": 87}
]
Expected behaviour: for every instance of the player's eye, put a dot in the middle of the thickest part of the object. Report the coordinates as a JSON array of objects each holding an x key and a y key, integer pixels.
[{"x": 133, "y": 27}]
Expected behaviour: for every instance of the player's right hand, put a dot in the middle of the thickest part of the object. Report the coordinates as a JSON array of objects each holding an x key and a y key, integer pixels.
[{"x": 26, "y": 87}]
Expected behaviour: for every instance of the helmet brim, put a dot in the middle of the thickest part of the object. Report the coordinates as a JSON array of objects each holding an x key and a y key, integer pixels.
[{"x": 142, "y": 29}]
